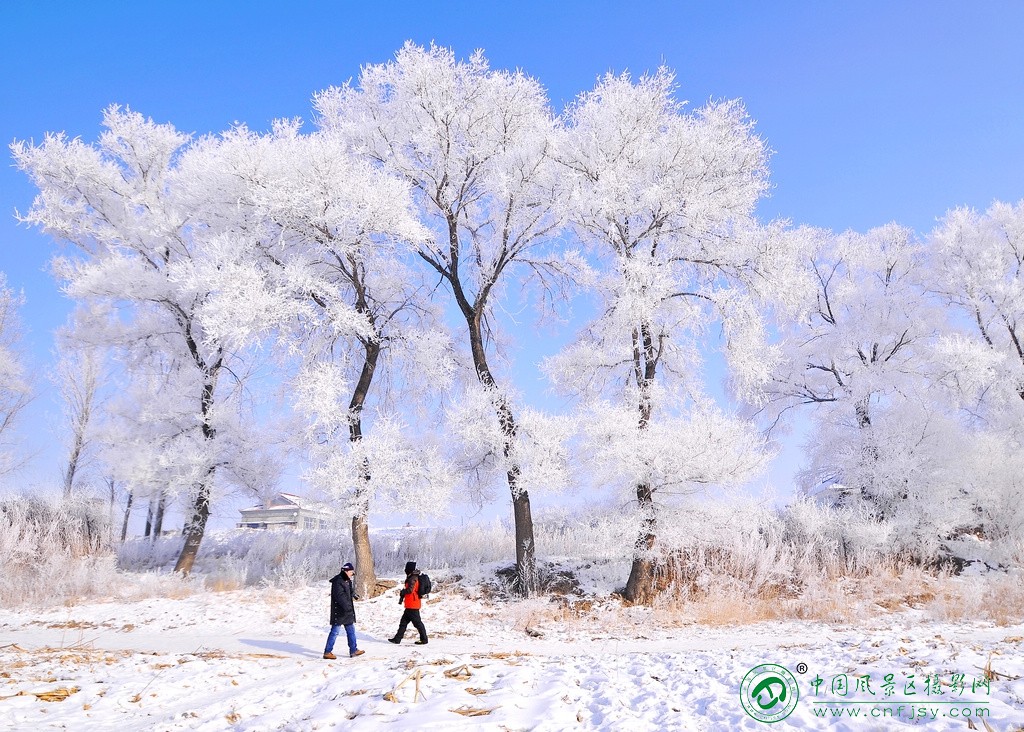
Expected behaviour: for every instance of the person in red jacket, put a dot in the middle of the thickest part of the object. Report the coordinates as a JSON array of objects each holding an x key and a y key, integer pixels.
[{"x": 410, "y": 597}]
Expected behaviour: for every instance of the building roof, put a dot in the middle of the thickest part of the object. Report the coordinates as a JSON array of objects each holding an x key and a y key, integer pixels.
[{"x": 290, "y": 502}]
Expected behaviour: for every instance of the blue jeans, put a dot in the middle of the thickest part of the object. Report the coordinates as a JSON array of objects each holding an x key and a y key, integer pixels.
[{"x": 350, "y": 632}]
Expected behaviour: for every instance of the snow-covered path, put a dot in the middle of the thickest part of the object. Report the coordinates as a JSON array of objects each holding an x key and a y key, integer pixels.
[{"x": 251, "y": 661}]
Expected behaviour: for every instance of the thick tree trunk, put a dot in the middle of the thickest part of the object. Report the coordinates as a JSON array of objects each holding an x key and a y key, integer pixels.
[
  {"x": 867, "y": 489},
  {"x": 526, "y": 555},
  {"x": 863, "y": 414},
  {"x": 366, "y": 572},
  {"x": 641, "y": 587},
  {"x": 195, "y": 528}
]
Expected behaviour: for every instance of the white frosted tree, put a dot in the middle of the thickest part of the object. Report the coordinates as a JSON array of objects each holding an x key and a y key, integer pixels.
[
  {"x": 663, "y": 202},
  {"x": 977, "y": 268},
  {"x": 144, "y": 440},
  {"x": 127, "y": 204},
  {"x": 79, "y": 377},
  {"x": 474, "y": 145},
  {"x": 317, "y": 256},
  {"x": 856, "y": 347},
  {"x": 15, "y": 386}
]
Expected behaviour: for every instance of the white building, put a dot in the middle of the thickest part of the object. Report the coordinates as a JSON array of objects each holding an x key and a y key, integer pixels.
[{"x": 286, "y": 510}]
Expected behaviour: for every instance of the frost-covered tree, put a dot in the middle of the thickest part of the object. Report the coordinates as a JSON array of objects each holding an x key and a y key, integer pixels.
[
  {"x": 15, "y": 387},
  {"x": 977, "y": 267},
  {"x": 991, "y": 468},
  {"x": 78, "y": 376},
  {"x": 317, "y": 255},
  {"x": 127, "y": 203},
  {"x": 856, "y": 346},
  {"x": 663, "y": 201},
  {"x": 143, "y": 440},
  {"x": 473, "y": 143}
]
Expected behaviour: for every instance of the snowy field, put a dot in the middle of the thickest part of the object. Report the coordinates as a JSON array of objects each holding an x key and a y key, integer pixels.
[{"x": 251, "y": 660}]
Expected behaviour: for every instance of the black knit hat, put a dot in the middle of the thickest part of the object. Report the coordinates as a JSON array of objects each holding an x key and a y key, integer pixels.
[
  {"x": 347, "y": 567},
  {"x": 410, "y": 567}
]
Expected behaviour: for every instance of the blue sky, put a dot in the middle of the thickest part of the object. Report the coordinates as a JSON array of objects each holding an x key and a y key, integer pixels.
[{"x": 876, "y": 110}]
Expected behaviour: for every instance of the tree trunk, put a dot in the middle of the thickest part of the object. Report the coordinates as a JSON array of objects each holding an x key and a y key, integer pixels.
[
  {"x": 366, "y": 575},
  {"x": 867, "y": 488},
  {"x": 148, "y": 533},
  {"x": 127, "y": 513},
  {"x": 641, "y": 587},
  {"x": 196, "y": 527},
  {"x": 72, "y": 467},
  {"x": 522, "y": 515},
  {"x": 111, "y": 485},
  {"x": 158, "y": 521},
  {"x": 526, "y": 556},
  {"x": 473, "y": 311},
  {"x": 863, "y": 414},
  {"x": 366, "y": 572},
  {"x": 79, "y": 393}
]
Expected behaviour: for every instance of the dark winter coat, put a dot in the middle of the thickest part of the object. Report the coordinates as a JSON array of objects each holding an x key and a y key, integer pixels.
[{"x": 343, "y": 609}]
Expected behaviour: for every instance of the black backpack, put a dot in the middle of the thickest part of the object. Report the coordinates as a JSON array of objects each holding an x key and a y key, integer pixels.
[{"x": 425, "y": 586}]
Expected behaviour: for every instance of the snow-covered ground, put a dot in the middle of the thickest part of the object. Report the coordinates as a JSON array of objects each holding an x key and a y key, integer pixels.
[{"x": 252, "y": 660}]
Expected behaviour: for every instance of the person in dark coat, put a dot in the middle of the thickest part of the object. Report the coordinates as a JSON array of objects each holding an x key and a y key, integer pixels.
[
  {"x": 410, "y": 598},
  {"x": 343, "y": 612}
]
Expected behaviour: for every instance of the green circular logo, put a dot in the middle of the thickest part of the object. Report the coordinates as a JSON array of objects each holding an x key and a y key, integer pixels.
[{"x": 769, "y": 693}]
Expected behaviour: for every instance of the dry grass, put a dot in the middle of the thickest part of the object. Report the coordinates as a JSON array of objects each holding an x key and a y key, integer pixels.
[
  {"x": 830, "y": 598},
  {"x": 840, "y": 599},
  {"x": 224, "y": 584},
  {"x": 724, "y": 611},
  {"x": 415, "y": 677},
  {"x": 462, "y": 673},
  {"x": 277, "y": 602},
  {"x": 80, "y": 654},
  {"x": 993, "y": 675},
  {"x": 70, "y": 625},
  {"x": 51, "y": 695},
  {"x": 178, "y": 591},
  {"x": 501, "y": 656},
  {"x": 998, "y": 599},
  {"x": 467, "y": 711},
  {"x": 219, "y": 655}
]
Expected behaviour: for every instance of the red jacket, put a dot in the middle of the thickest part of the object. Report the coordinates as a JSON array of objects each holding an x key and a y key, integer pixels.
[{"x": 411, "y": 592}]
